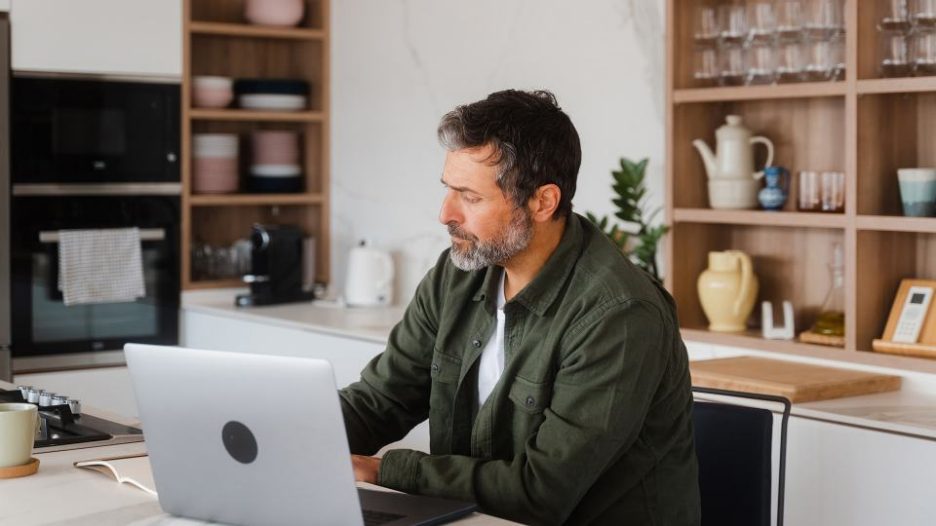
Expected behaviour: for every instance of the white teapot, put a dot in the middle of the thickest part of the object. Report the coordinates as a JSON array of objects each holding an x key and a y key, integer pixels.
[{"x": 735, "y": 146}]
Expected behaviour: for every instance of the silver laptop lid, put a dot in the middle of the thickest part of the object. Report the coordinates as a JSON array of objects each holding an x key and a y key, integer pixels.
[{"x": 244, "y": 438}]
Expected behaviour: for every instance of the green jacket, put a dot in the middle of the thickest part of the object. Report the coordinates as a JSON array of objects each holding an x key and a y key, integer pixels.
[{"x": 590, "y": 422}]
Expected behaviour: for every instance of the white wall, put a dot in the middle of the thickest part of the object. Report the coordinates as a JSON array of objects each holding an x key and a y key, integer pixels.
[{"x": 398, "y": 66}]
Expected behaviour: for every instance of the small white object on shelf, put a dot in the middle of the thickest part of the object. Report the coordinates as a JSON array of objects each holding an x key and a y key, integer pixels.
[
  {"x": 273, "y": 101},
  {"x": 772, "y": 332}
]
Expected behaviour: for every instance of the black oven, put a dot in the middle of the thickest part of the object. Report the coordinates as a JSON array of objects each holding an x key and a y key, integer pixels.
[
  {"x": 86, "y": 130},
  {"x": 42, "y": 325},
  {"x": 89, "y": 153}
]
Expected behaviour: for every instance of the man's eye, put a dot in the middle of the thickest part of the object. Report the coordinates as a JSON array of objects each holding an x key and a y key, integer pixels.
[{"x": 470, "y": 198}]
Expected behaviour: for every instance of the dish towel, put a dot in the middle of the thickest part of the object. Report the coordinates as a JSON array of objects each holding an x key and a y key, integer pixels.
[{"x": 100, "y": 266}]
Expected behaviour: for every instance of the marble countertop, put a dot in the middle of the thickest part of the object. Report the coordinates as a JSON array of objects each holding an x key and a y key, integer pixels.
[{"x": 910, "y": 411}]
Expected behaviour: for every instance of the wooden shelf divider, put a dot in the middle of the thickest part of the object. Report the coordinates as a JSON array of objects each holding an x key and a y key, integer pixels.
[
  {"x": 759, "y": 217},
  {"x": 256, "y": 199},
  {"x": 778, "y": 91},
  {"x": 255, "y": 115},
  {"x": 247, "y": 30}
]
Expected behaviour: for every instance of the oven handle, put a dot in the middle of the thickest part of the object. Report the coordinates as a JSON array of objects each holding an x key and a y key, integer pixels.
[
  {"x": 146, "y": 234},
  {"x": 92, "y": 189}
]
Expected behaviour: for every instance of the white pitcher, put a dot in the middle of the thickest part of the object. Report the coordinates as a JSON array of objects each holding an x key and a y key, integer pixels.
[{"x": 735, "y": 157}]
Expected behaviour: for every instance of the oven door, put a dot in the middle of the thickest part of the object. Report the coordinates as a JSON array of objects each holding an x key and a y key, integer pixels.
[
  {"x": 87, "y": 130},
  {"x": 42, "y": 325}
]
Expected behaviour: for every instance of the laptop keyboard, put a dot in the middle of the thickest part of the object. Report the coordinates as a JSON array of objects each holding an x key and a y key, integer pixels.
[{"x": 373, "y": 518}]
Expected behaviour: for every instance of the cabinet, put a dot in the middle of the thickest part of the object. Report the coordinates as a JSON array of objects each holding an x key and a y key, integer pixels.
[
  {"x": 117, "y": 37},
  {"x": 218, "y": 42},
  {"x": 864, "y": 126}
]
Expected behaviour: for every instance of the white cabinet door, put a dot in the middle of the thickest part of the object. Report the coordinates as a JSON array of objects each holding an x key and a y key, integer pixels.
[
  {"x": 838, "y": 474},
  {"x": 123, "y": 37}
]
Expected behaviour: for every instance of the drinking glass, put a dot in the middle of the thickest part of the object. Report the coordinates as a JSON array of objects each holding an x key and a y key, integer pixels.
[
  {"x": 789, "y": 19},
  {"x": 819, "y": 60},
  {"x": 896, "y": 16},
  {"x": 707, "y": 70},
  {"x": 837, "y": 58},
  {"x": 790, "y": 61},
  {"x": 833, "y": 191},
  {"x": 824, "y": 18},
  {"x": 760, "y": 63},
  {"x": 923, "y": 52},
  {"x": 923, "y": 13},
  {"x": 733, "y": 22},
  {"x": 706, "y": 25},
  {"x": 809, "y": 192},
  {"x": 761, "y": 20},
  {"x": 895, "y": 59},
  {"x": 731, "y": 57}
]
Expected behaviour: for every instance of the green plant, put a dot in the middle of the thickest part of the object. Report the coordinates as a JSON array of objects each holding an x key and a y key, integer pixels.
[{"x": 637, "y": 238}]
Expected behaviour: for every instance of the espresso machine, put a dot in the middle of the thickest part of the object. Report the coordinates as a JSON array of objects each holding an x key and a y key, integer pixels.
[{"x": 276, "y": 265}]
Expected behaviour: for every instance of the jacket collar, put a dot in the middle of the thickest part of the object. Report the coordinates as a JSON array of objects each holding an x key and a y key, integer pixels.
[{"x": 542, "y": 292}]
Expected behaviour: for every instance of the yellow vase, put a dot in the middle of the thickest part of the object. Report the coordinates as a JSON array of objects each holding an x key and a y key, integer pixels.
[{"x": 727, "y": 290}]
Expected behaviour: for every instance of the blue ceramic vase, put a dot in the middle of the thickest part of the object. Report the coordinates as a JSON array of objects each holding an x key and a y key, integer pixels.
[{"x": 774, "y": 195}]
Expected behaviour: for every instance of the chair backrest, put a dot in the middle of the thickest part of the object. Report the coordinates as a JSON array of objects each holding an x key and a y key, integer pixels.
[{"x": 734, "y": 445}]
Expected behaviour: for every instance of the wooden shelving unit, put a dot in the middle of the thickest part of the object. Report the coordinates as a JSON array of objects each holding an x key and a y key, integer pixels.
[
  {"x": 865, "y": 126},
  {"x": 217, "y": 40}
]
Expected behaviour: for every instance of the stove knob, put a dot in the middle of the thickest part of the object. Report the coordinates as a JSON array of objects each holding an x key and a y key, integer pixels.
[
  {"x": 32, "y": 396},
  {"x": 45, "y": 398},
  {"x": 59, "y": 400},
  {"x": 75, "y": 406},
  {"x": 24, "y": 391}
]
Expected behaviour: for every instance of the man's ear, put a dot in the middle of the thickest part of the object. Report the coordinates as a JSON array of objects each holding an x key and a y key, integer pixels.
[{"x": 544, "y": 202}]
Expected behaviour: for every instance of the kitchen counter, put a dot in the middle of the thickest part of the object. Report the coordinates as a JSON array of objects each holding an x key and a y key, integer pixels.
[
  {"x": 63, "y": 494},
  {"x": 910, "y": 411}
]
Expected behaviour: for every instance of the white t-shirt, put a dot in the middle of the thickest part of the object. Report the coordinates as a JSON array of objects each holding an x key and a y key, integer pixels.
[{"x": 491, "y": 366}]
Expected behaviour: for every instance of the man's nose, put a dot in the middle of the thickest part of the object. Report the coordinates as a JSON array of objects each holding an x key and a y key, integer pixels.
[{"x": 449, "y": 212}]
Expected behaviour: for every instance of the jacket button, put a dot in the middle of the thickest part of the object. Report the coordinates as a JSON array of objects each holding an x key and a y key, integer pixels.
[
  {"x": 435, "y": 367},
  {"x": 476, "y": 343},
  {"x": 530, "y": 401}
]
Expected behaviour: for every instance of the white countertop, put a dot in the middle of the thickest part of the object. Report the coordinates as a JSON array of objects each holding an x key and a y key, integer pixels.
[
  {"x": 910, "y": 411},
  {"x": 63, "y": 494},
  {"x": 364, "y": 323}
]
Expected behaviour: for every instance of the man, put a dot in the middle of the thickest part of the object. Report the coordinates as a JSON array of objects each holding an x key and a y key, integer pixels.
[{"x": 550, "y": 368}]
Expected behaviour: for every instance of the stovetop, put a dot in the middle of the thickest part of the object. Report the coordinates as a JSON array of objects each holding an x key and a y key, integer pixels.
[{"x": 61, "y": 429}]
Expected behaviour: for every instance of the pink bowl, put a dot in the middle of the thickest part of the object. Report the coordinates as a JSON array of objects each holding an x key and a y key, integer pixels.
[
  {"x": 214, "y": 175},
  {"x": 285, "y": 13},
  {"x": 212, "y": 98}
]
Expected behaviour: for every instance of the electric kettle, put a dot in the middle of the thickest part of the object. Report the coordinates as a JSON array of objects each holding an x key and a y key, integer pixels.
[{"x": 369, "y": 282}]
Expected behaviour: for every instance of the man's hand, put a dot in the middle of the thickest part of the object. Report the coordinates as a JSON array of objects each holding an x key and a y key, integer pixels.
[{"x": 365, "y": 468}]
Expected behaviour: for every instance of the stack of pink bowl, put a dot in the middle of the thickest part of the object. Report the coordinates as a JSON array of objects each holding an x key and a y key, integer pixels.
[
  {"x": 215, "y": 163},
  {"x": 275, "y": 163},
  {"x": 284, "y": 13}
]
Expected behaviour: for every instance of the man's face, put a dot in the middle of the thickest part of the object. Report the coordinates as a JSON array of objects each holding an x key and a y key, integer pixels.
[{"x": 485, "y": 225}]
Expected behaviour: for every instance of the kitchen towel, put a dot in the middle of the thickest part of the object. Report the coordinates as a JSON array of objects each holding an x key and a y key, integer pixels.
[{"x": 100, "y": 266}]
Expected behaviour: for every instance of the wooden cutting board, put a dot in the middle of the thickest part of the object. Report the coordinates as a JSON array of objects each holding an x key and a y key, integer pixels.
[{"x": 798, "y": 382}]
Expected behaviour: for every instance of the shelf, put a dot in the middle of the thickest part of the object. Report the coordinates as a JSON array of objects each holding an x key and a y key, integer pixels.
[
  {"x": 256, "y": 199},
  {"x": 898, "y": 85},
  {"x": 255, "y": 115},
  {"x": 777, "y": 91},
  {"x": 248, "y": 30},
  {"x": 758, "y": 217},
  {"x": 922, "y": 225}
]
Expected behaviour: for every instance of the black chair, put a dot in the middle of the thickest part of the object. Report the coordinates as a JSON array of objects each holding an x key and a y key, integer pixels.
[{"x": 734, "y": 445}]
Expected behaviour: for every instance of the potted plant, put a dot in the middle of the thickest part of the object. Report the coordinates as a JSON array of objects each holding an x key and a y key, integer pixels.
[{"x": 637, "y": 238}]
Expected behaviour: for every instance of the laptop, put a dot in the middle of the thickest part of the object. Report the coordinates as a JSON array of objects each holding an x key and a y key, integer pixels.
[{"x": 254, "y": 439}]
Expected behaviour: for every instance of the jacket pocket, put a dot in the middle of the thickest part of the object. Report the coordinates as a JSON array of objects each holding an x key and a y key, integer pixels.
[
  {"x": 445, "y": 368},
  {"x": 529, "y": 397}
]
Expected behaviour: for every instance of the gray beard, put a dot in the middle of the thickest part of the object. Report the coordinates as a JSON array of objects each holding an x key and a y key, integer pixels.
[{"x": 515, "y": 239}]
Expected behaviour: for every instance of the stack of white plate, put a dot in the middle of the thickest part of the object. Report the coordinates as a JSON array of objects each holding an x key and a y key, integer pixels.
[{"x": 214, "y": 163}]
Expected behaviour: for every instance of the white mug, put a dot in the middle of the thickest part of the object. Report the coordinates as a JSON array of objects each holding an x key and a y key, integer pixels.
[{"x": 18, "y": 424}]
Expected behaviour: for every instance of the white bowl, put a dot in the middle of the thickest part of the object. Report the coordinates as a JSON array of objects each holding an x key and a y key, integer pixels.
[
  {"x": 275, "y": 170},
  {"x": 212, "y": 82},
  {"x": 273, "y": 101}
]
